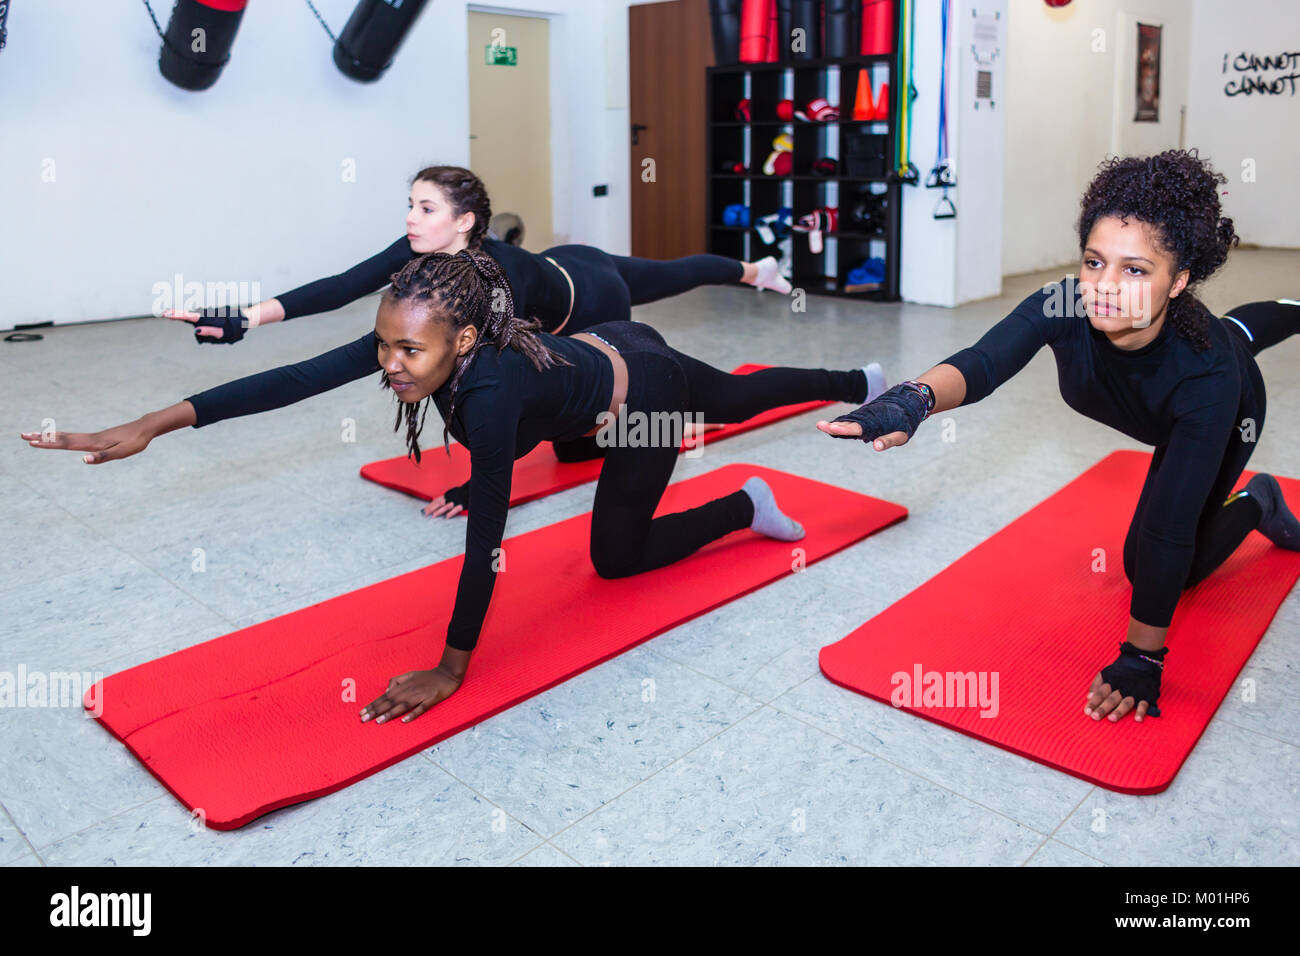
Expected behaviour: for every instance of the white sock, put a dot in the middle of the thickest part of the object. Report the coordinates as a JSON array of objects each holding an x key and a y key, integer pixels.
[
  {"x": 769, "y": 276},
  {"x": 876, "y": 384},
  {"x": 768, "y": 518}
]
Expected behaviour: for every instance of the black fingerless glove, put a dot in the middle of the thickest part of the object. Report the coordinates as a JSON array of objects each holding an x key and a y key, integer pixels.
[
  {"x": 1136, "y": 673},
  {"x": 457, "y": 496},
  {"x": 227, "y": 318},
  {"x": 901, "y": 409}
]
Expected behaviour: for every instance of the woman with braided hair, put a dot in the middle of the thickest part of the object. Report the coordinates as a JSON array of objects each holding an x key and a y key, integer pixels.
[
  {"x": 1136, "y": 350},
  {"x": 447, "y": 334},
  {"x": 565, "y": 288}
]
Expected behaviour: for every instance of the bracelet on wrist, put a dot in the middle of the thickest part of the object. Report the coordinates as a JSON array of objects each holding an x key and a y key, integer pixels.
[{"x": 926, "y": 392}]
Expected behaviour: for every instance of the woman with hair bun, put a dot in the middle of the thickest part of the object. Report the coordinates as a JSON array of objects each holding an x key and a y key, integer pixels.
[
  {"x": 565, "y": 288},
  {"x": 1136, "y": 350}
]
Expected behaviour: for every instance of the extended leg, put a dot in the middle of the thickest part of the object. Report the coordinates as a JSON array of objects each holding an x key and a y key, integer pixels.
[
  {"x": 722, "y": 397},
  {"x": 1265, "y": 324},
  {"x": 649, "y": 280}
]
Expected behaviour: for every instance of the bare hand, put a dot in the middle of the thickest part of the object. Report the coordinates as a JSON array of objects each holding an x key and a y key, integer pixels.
[
  {"x": 111, "y": 444},
  {"x": 411, "y": 694},
  {"x": 441, "y": 507},
  {"x": 854, "y": 430},
  {"x": 1102, "y": 700}
]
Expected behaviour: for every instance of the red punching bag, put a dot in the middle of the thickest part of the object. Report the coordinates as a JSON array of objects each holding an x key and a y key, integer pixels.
[
  {"x": 197, "y": 43},
  {"x": 755, "y": 23},
  {"x": 877, "y": 27},
  {"x": 773, "y": 33}
]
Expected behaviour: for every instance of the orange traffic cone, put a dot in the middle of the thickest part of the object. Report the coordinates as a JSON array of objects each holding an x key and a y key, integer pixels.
[
  {"x": 882, "y": 104},
  {"x": 863, "y": 108}
]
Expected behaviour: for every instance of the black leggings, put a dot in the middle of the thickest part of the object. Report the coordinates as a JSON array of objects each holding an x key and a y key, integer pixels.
[
  {"x": 606, "y": 287},
  {"x": 1225, "y": 521},
  {"x": 626, "y": 538},
  {"x": 723, "y": 398}
]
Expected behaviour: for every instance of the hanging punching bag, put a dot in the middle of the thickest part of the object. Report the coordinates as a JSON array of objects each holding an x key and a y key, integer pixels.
[
  {"x": 754, "y": 24},
  {"x": 369, "y": 41},
  {"x": 725, "y": 15},
  {"x": 197, "y": 43},
  {"x": 805, "y": 15},
  {"x": 773, "y": 34},
  {"x": 783, "y": 30},
  {"x": 841, "y": 30},
  {"x": 877, "y": 27}
]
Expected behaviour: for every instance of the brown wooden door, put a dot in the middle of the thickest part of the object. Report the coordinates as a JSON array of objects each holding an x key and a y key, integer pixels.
[{"x": 669, "y": 47}]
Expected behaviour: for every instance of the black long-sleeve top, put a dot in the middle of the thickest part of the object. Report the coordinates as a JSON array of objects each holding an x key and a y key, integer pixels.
[
  {"x": 539, "y": 289},
  {"x": 504, "y": 408},
  {"x": 1166, "y": 394}
]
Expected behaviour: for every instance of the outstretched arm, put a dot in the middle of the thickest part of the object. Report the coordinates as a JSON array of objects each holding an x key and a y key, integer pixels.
[
  {"x": 323, "y": 295},
  {"x": 121, "y": 441},
  {"x": 246, "y": 396},
  {"x": 963, "y": 378}
]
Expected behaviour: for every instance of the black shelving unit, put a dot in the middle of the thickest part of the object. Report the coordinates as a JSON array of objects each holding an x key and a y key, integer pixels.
[{"x": 731, "y": 140}]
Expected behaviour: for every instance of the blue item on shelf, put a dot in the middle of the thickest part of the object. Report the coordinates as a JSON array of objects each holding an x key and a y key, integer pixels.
[
  {"x": 737, "y": 214},
  {"x": 871, "y": 270}
]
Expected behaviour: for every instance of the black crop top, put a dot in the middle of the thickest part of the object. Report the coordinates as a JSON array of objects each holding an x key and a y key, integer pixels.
[
  {"x": 504, "y": 408},
  {"x": 1165, "y": 394},
  {"x": 539, "y": 289}
]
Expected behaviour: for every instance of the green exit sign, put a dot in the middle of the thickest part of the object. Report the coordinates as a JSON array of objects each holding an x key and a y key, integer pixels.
[{"x": 502, "y": 56}]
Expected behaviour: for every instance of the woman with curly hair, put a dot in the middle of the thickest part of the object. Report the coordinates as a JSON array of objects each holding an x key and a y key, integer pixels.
[
  {"x": 501, "y": 387},
  {"x": 1136, "y": 350}
]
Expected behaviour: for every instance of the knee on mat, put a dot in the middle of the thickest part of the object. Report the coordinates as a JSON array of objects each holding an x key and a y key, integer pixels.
[{"x": 612, "y": 566}]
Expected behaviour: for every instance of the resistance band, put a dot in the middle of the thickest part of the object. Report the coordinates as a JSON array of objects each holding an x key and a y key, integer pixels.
[
  {"x": 906, "y": 93},
  {"x": 943, "y": 175}
]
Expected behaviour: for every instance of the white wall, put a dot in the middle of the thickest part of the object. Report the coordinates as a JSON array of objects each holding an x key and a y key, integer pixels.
[
  {"x": 1071, "y": 79},
  {"x": 949, "y": 261},
  {"x": 1259, "y": 128},
  {"x": 243, "y": 182}
]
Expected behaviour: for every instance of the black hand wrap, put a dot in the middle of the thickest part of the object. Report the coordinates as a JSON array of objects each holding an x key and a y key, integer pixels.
[
  {"x": 901, "y": 409},
  {"x": 1136, "y": 673},
  {"x": 457, "y": 496},
  {"x": 226, "y": 318}
]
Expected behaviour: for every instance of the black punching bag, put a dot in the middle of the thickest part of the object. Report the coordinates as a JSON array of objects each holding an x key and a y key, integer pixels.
[
  {"x": 369, "y": 41},
  {"x": 841, "y": 28},
  {"x": 197, "y": 43},
  {"x": 806, "y": 15},
  {"x": 725, "y": 15}
]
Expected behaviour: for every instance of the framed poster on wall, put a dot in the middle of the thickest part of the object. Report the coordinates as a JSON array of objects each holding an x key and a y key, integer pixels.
[{"x": 1148, "y": 74}]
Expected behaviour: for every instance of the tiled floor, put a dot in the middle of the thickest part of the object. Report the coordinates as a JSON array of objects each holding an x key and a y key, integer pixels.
[{"x": 745, "y": 755}]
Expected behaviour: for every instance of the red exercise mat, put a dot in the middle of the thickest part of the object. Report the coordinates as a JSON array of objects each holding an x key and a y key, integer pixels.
[
  {"x": 1027, "y": 606},
  {"x": 255, "y": 720},
  {"x": 538, "y": 473}
]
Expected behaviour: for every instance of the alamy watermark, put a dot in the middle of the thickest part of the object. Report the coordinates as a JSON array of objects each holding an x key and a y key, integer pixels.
[
  {"x": 1072, "y": 298},
  {"x": 636, "y": 429},
  {"x": 25, "y": 688},
  {"x": 193, "y": 296},
  {"x": 923, "y": 689}
]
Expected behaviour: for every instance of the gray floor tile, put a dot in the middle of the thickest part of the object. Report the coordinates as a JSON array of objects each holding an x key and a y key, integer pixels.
[
  {"x": 772, "y": 790},
  {"x": 552, "y": 759},
  {"x": 411, "y": 814},
  {"x": 1058, "y": 854},
  {"x": 1235, "y": 802},
  {"x": 545, "y": 855},
  {"x": 1022, "y": 789}
]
